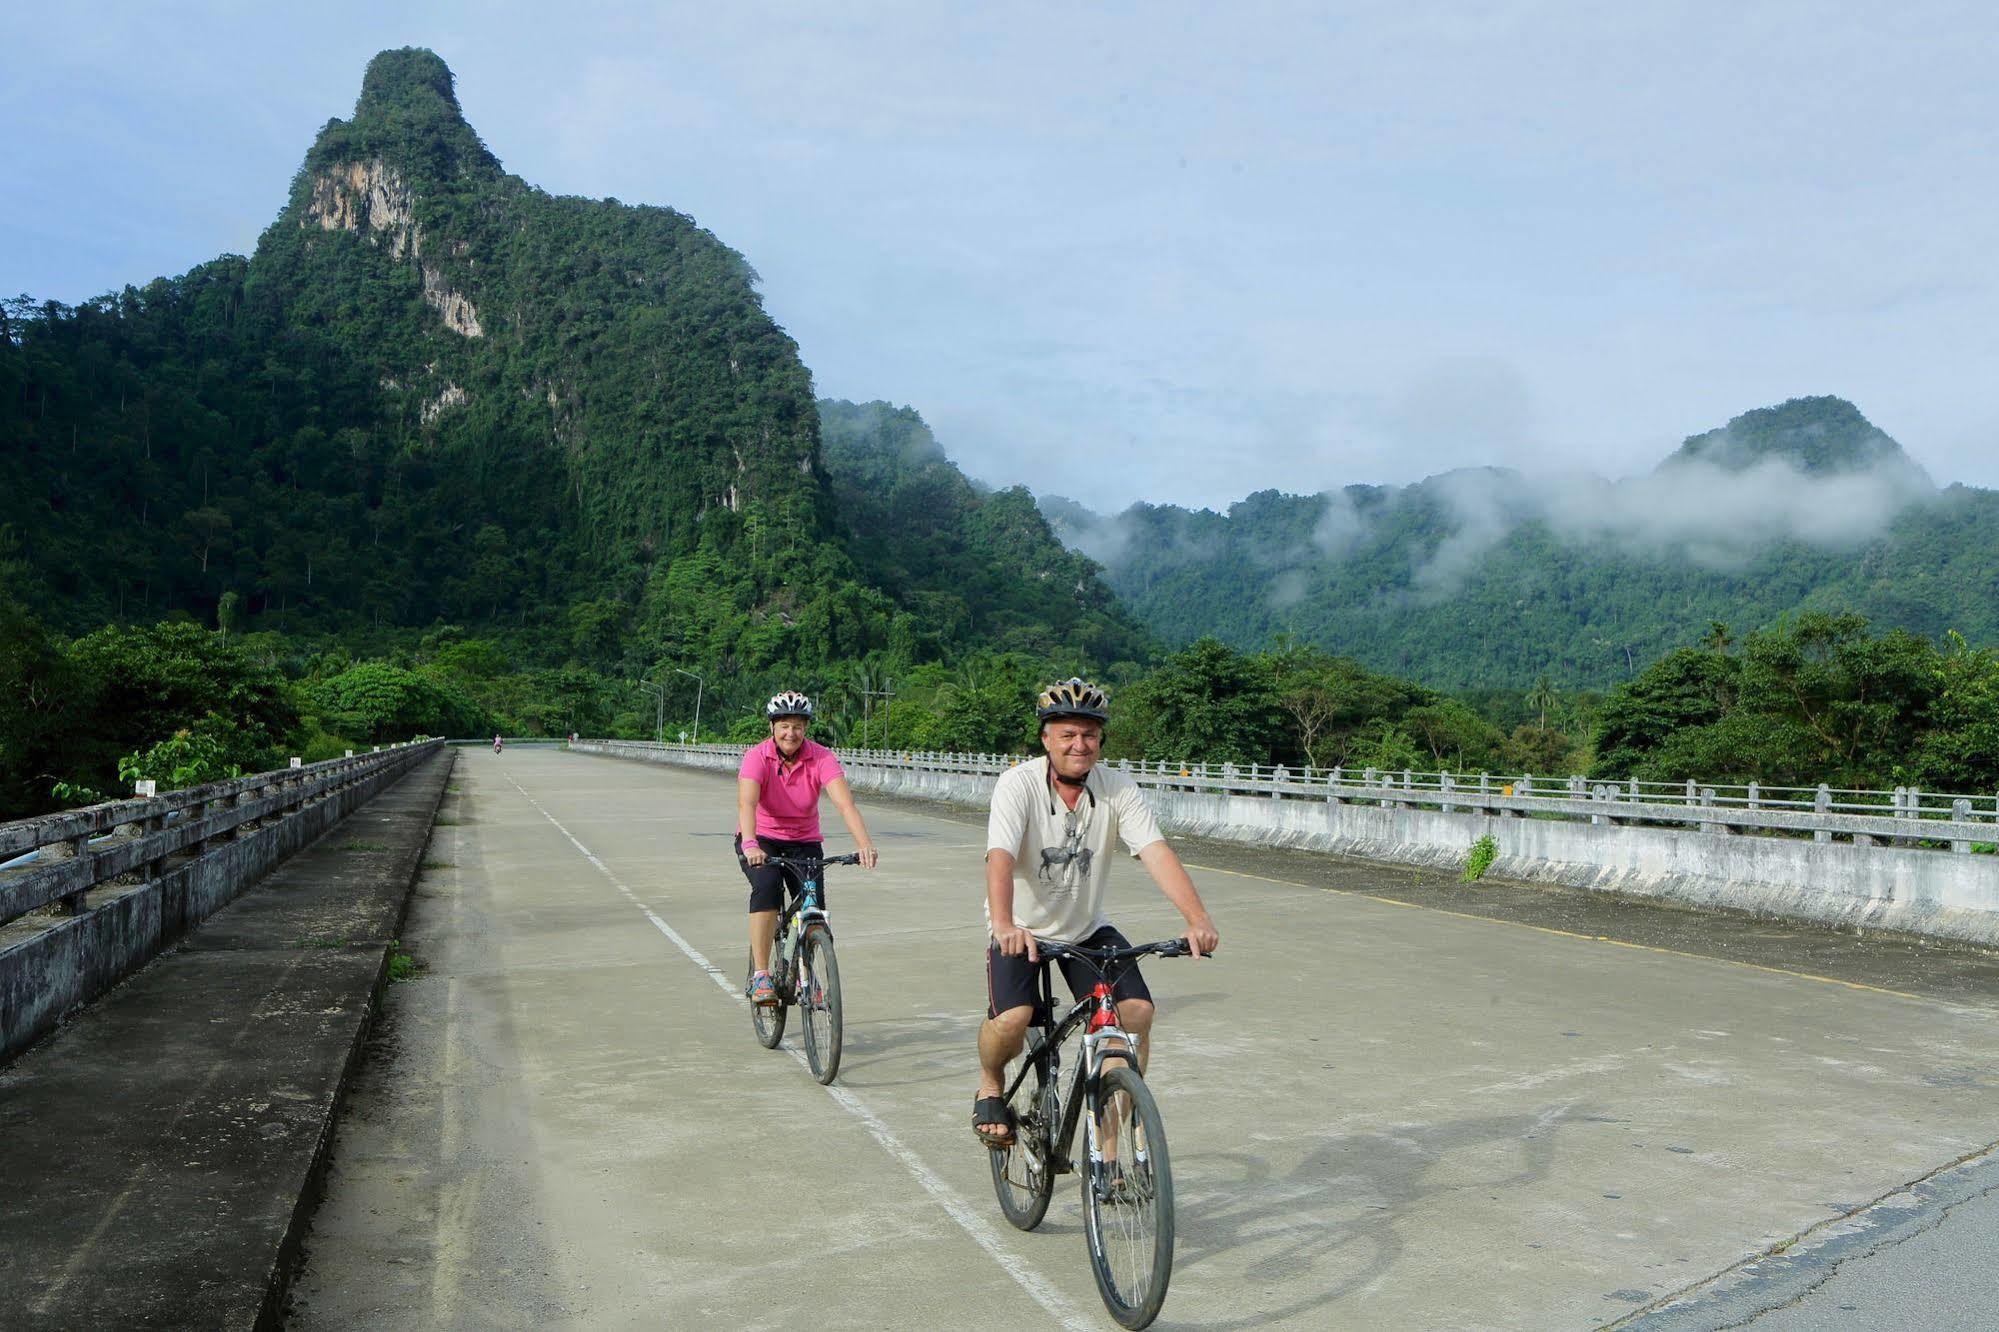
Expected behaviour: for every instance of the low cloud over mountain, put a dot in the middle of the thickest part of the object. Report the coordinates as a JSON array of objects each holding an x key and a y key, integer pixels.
[{"x": 1810, "y": 482}]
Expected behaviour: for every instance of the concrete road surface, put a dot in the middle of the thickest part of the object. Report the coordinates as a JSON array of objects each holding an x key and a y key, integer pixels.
[{"x": 1392, "y": 1101}]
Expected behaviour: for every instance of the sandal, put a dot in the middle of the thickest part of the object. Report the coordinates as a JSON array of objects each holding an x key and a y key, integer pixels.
[{"x": 990, "y": 1110}]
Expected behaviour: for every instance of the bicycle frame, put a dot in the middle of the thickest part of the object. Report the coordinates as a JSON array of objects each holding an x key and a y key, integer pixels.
[
  {"x": 1097, "y": 1014},
  {"x": 803, "y": 901},
  {"x": 802, "y": 898}
]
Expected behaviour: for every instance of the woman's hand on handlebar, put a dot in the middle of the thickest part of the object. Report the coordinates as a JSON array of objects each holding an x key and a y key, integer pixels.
[
  {"x": 868, "y": 857},
  {"x": 754, "y": 854}
]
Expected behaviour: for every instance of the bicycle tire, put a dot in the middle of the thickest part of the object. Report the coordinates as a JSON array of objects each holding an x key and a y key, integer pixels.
[
  {"x": 767, "y": 1019},
  {"x": 1128, "y": 1215},
  {"x": 819, "y": 1001},
  {"x": 1023, "y": 1177}
]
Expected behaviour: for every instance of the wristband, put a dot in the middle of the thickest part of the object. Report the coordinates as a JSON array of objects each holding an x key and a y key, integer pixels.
[{"x": 751, "y": 841}]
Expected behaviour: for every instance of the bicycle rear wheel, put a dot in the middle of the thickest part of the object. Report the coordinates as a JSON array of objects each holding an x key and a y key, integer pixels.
[
  {"x": 819, "y": 1001},
  {"x": 1023, "y": 1174},
  {"x": 768, "y": 1019},
  {"x": 1128, "y": 1200}
]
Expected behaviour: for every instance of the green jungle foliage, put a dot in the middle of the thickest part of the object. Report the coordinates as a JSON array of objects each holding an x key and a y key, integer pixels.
[
  {"x": 1816, "y": 699},
  {"x": 1303, "y": 707},
  {"x": 1460, "y": 582},
  {"x": 171, "y": 701}
]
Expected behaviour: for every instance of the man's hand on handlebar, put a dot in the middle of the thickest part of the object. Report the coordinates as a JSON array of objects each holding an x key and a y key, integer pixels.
[
  {"x": 1201, "y": 937},
  {"x": 1013, "y": 941}
]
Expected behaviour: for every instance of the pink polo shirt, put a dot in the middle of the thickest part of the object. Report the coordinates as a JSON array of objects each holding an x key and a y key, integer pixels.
[{"x": 788, "y": 799}]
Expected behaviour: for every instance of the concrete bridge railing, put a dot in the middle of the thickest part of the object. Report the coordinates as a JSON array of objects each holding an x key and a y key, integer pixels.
[
  {"x": 88, "y": 895},
  {"x": 1903, "y": 816},
  {"x": 1889, "y": 859}
]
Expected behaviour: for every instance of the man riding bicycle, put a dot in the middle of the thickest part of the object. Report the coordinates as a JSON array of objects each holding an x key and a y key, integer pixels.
[
  {"x": 1048, "y": 842},
  {"x": 777, "y": 814}
]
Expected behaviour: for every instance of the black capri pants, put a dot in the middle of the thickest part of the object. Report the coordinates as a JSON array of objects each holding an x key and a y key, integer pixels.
[{"x": 767, "y": 880}]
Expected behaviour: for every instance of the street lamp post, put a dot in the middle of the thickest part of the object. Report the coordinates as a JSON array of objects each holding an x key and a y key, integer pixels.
[
  {"x": 699, "y": 685},
  {"x": 659, "y": 713}
]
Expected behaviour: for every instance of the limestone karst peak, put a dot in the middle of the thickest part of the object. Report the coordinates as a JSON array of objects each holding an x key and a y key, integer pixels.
[
  {"x": 408, "y": 114},
  {"x": 406, "y": 79}
]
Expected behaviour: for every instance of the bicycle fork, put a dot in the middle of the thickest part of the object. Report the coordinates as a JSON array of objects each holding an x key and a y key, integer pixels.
[{"x": 1102, "y": 1038}]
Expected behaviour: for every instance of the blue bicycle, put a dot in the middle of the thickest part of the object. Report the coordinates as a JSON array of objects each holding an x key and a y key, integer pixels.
[{"x": 803, "y": 968}]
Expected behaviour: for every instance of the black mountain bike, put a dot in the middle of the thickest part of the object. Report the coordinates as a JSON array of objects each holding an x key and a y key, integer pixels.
[
  {"x": 803, "y": 968},
  {"x": 1127, "y": 1179}
]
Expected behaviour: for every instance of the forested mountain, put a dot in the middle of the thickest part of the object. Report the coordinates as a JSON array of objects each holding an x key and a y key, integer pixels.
[
  {"x": 436, "y": 394},
  {"x": 975, "y": 564},
  {"x": 1492, "y": 577}
]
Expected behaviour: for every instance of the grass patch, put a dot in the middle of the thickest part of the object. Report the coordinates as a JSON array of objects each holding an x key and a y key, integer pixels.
[
  {"x": 1479, "y": 859},
  {"x": 436, "y": 864},
  {"x": 444, "y": 821},
  {"x": 363, "y": 846},
  {"x": 318, "y": 943},
  {"x": 402, "y": 965}
]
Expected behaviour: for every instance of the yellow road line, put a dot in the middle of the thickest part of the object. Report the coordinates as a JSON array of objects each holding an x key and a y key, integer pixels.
[{"x": 1587, "y": 938}]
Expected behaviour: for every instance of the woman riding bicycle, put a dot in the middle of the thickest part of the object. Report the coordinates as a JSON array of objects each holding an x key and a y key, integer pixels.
[{"x": 777, "y": 814}]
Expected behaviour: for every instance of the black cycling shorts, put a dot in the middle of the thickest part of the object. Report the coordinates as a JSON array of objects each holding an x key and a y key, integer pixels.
[
  {"x": 1013, "y": 982},
  {"x": 767, "y": 880}
]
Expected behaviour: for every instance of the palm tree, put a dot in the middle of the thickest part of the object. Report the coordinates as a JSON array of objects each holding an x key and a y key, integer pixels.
[{"x": 1542, "y": 697}]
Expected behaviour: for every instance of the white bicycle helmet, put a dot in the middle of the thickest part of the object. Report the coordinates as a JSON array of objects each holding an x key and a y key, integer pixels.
[{"x": 790, "y": 703}]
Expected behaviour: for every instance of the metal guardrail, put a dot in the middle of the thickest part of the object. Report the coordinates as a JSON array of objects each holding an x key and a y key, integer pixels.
[
  {"x": 1903, "y": 816},
  {"x": 54, "y": 859}
]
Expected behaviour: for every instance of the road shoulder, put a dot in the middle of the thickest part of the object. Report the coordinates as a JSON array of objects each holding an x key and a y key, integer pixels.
[{"x": 162, "y": 1150}]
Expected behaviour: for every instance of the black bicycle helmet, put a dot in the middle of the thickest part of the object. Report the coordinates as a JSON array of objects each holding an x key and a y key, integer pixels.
[{"x": 1074, "y": 697}]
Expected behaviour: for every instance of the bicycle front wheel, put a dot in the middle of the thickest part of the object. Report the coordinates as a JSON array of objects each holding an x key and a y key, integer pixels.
[
  {"x": 1128, "y": 1200},
  {"x": 767, "y": 1019},
  {"x": 819, "y": 1001},
  {"x": 1024, "y": 1174}
]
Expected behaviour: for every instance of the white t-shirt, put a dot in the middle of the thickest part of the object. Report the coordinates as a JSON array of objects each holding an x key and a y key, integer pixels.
[{"x": 1060, "y": 861}]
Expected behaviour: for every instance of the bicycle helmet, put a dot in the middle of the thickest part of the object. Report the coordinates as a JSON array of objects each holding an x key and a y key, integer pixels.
[
  {"x": 1074, "y": 697},
  {"x": 790, "y": 703}
]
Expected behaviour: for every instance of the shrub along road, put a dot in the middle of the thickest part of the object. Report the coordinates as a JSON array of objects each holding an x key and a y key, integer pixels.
[{"x": 1392, "y": 1100}]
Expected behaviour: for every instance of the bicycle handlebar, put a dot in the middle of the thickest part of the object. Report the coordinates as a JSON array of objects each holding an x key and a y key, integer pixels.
[
  {"x": 1163, "y": 948},
  {"x": 802, "y": 862}
]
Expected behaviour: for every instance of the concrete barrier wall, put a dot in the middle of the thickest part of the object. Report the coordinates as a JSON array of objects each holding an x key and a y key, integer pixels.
[
  {"x": 52, "y": 965},
  {"x": 1875, "y": 887}
]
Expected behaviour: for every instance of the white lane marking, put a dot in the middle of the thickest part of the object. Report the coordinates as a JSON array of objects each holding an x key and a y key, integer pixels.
[{"x": 974, "y": 1225}]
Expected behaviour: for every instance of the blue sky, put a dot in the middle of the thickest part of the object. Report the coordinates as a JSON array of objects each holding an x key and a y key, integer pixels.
[{"x": 1164, "y": 251}]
